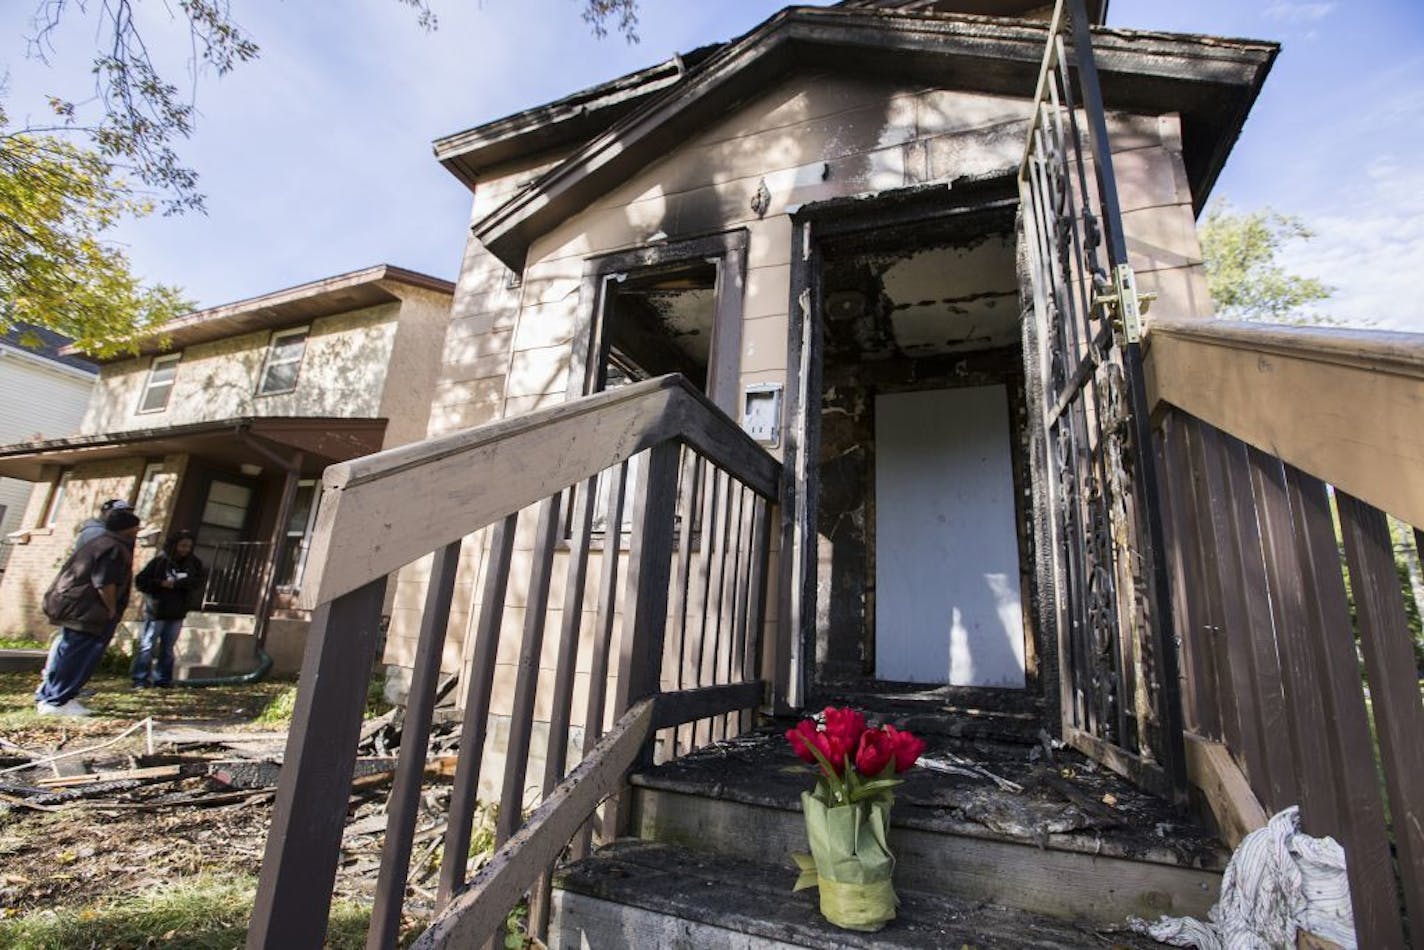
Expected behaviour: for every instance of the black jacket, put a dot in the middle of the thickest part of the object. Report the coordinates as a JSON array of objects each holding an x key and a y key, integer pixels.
[
  {"x": 72, "y": 601},
  {"x": 170, "y": 603}
]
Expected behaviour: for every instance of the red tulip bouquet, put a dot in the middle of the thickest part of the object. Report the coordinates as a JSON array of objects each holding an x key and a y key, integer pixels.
[{"x": 848, "y": 814}]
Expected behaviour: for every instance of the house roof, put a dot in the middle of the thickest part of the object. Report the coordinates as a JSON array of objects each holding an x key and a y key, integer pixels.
[
  {"x": 573, "y": 120},
  {"x": 44, "y": 344},
  {"x": 1097, "y": 9},
  {"x": 282, "y": 308},
  {"x": 322, "y": 440},
  {"x": 1210, "y": 82}
]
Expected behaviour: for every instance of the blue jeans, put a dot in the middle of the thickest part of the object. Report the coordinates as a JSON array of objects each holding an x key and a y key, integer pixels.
[
  {"x": 73, "y": 658},
  {"x": 155, "y": 649}
]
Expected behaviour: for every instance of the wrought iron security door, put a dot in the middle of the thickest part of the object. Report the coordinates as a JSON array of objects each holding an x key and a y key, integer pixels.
[{"x": 1116, "y": 652}]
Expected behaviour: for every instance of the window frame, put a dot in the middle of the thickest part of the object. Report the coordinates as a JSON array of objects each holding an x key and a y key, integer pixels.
[
  {"x": 56, "y": 498},
  {"x": 304, "y": 537},
  {"x": 160, "y": 361},
  {"x": 267, "y": 363},
  {"x": 148, "y": 480},
  {"x": 726, "y": 250}
]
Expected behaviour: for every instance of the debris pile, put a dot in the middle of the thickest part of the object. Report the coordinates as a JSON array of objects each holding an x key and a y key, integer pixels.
[{"x": 85, "y": 818}]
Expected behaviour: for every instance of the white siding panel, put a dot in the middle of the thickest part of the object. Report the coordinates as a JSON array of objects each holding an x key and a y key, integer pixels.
[{"x": 34, "y": 401}]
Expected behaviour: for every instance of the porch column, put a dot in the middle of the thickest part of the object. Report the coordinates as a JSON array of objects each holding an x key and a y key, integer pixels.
[{"x": 268, "y": 588}]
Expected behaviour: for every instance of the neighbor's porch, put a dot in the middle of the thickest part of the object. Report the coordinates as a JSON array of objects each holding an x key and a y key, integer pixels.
[{"x": 249, "y": 490}]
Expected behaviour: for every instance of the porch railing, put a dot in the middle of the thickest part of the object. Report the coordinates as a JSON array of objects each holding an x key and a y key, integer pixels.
[
  {"x": 235, "y": 572},
  {"x": 675, "y": 640},
  {"x": 1290, "y": 455}
]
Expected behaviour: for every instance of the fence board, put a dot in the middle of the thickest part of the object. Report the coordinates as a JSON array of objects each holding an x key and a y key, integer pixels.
[
  {"x": 1347, "y": 735},
  {"x": 1386, "y": 642},
  {"x": 1301, "y": 681}
]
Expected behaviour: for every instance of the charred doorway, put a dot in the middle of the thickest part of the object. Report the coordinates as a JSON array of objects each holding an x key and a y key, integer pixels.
[{"x": 923, "y": 547}]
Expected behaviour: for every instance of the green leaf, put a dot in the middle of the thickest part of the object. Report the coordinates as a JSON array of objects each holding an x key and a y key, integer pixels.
[{"x": 873, "y": 789}]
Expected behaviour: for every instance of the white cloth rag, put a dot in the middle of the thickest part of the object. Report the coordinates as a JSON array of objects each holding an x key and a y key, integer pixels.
[{"x": 1279, "y": 881}]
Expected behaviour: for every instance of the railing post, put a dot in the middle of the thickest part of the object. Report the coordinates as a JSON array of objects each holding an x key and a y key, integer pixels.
[
  {"x": 649, "y": 574},
  {"x": 304, "y": 843}
]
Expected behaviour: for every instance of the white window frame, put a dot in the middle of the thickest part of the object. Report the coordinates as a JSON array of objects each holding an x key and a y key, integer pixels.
[
  {"x": 56, "y": 498},
  {"x": 159, "y": 362},
  {"x": 147, "y": 492},
  {"x": 304, "y": 544},
  {"x": 267, "y": 363}
]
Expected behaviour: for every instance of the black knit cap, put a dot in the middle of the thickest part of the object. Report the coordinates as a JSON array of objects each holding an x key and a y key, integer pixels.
[{"x": 120, "y": 519}]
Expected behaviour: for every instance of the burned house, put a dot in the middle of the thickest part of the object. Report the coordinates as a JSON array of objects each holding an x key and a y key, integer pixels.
[{"x": 818, "y": 366}]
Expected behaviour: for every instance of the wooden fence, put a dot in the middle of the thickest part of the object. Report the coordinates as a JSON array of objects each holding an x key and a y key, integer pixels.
[{"x": 1284, "y": 450}]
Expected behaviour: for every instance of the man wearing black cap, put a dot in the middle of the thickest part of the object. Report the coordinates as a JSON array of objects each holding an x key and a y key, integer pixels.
[
  {"x": 94, "y": 527},
  {"x": 87, "y": 600}
]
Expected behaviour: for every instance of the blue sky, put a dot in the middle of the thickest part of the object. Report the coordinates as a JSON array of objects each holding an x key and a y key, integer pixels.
[{"x": 316, "y": 158}]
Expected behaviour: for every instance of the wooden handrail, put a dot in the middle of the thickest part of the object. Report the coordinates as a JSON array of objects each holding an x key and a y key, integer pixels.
[
  {"x": 479, "y": 912},
  {"x": 1343, "y": 405},
  {"x": 382, "y": 511}
]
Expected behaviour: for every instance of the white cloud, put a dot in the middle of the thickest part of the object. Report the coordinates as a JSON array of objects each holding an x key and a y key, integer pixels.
[
  {"x": 1290, "y": 11},
  {"x": 1370, "y": 247}
]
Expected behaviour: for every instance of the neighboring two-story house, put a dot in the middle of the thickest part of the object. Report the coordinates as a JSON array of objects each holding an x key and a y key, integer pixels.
[
  {"x": 222, "y": 425},
  {"x": 43, "y": 394}
]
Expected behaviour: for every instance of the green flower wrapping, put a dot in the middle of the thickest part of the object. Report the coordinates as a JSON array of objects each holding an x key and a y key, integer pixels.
[{"x": 850, "y": 861}]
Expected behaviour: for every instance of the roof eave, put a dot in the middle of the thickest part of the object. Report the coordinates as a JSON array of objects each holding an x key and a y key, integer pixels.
[
  {"x": 290, "y": 306},
  {"x": 1141, "y": 70}
]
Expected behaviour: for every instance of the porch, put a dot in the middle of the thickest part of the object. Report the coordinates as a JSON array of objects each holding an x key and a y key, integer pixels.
[{"x": 249, "y": 490}]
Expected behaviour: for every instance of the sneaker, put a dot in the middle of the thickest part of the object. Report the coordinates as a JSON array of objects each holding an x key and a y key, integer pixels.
[{"x": 71, "y": 708}]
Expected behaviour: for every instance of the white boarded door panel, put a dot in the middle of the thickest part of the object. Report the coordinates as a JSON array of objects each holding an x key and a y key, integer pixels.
[{"x": 947, "y": 600}]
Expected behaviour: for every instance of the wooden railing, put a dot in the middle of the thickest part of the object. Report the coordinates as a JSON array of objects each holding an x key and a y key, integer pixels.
[
  {"x": 1286, "y": 451},
  {"x": 677, "y": 634}
]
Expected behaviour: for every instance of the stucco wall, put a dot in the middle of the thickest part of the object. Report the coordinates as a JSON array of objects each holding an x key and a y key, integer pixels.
[
  {"x": 343, "y": 373},
  {"x": 33, "y": 564}
]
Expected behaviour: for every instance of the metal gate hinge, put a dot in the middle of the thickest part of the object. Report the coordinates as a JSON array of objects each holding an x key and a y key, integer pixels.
[{"x": 1126, "y": 304}]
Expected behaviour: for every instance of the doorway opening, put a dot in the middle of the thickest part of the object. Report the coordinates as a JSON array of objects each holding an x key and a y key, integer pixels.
[{"x": 922, "y": 525}]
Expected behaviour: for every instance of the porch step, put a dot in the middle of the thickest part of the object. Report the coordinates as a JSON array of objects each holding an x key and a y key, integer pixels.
[
  {"x": 1077, "y": 842},
  {"x": 645, "y": 894},
  {"x": 963, "y": 712}
]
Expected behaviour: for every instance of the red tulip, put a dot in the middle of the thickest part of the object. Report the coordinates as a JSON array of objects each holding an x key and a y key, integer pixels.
[
  {"x": 876, "y": 751},
  {"x": 846, "y": 725},
  {"x": 804, "y": 733},
  {"x": 907, "y": 747}
]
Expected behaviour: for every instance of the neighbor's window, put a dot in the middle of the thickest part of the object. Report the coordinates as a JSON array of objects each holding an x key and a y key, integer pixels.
[
  {"x": 160, "y": 383},
  {"x": 147, "y": 490},
  {"x": 56, "y": 498},
  {"x": 284, "y": 361},
  {"x": 299, "y": 534}
]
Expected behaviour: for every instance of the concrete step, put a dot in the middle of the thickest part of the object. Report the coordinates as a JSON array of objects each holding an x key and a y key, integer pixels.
[
  {"x": 239, "y": 652},
  {"x": 644, "y": 894},
  {"x": 1069, "y": 840}
]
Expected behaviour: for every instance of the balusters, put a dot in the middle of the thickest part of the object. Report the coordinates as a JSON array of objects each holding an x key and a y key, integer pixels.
[
  {"x": 556, "y": 750},
  {"x": 479, "y": 689},
  {"x": 603, "y": 628},
  {"x": 526, "y": 683},
  {"x": 404, "y": 801}
]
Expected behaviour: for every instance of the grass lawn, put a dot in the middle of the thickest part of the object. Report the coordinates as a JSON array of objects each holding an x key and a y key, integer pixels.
[{"x": 115, "y": 701}]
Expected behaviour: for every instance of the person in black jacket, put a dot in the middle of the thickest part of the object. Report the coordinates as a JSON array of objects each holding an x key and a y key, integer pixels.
[
  {"x": 168, "y": 583},
  {"x": 86, "y": 600}
]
